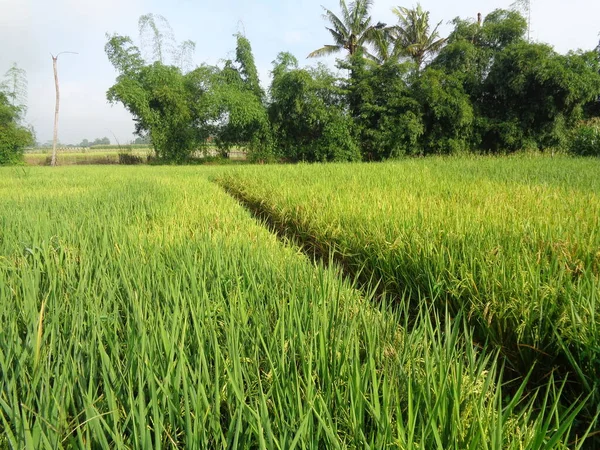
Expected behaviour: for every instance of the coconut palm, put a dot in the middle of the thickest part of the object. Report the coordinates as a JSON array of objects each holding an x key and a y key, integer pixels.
[
  {"x": 412, "y": 34},
  {"x": 384, "y": 46},
  {"x": 352, "y": 31}
]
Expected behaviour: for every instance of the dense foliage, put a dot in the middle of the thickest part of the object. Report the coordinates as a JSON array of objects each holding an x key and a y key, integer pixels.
[
  {"x": 406, "y": 91},
  {"x": 13, "y": 136},
  {"x": 307, "y": 114}
]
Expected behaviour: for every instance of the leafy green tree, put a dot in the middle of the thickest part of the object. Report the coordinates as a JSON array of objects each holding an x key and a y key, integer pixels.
[
  {"x": 158, "y": 98},
  {"x": 413, "y": 37},
  {"x": 472, "y": 47},
  {"x": 524, "y": 7},
  {"x": 385, "y": 48},
  {"x": 585, "y": 138},
  {"x": 352, "y": 31},
  {"x": 124, "y": 55},
  {"x": 533, "y": 96},
  {"x": 247, "y": 66},
  {"x": 308, "y": 114},
  {"x": 13, "y": 136},
  {"x": 101, "y": 141},
  {"x": 159, "y": 102},
  {"x": 447, "y": 113},
  {"x": 386, "y": 115},
  {"x": 235, "y": 103},
  {"x": 468, "y": 56}
]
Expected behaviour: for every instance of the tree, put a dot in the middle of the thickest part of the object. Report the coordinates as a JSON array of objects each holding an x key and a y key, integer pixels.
[
  {"x": 533, "y": 95},
  {"x": 524, "y": 6},
  {"x": 160, "y": 97},
  {"x": 247, "y": 66},
  {"x": 123, "y": 54},
  {"x": 308, "y": 114},
  {"x": 235, "y": 95},
  {"x": 56, "y": 107},
  {"x": 387, "y": 119},
  {"x": 412, "y": 34},
  {"x": 447, "y": 113},
  {"x": 156, "y": 37},
  {"x": 101, "y": 141},
  {"x": 13, "y": 136},
  {"x": 352, "y": 32},
  {"x": 15, "y": 87}
]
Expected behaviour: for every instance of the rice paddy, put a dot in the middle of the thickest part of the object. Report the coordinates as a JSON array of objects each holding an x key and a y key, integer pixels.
[{"x": 145, "y": 307}]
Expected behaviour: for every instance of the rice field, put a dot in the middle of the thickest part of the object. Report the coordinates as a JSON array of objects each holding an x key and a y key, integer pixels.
[
  {"x": 145, "y": 307},
  {"x": 65, "y": 158},
  {"x": 512, "y": 243}
]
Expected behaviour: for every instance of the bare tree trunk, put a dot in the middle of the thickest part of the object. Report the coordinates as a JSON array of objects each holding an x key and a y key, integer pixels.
[{"x": 53, "y": 161}]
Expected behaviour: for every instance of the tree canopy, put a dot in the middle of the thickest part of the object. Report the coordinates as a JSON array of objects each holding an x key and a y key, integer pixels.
[{"x": 402, "y": 90}]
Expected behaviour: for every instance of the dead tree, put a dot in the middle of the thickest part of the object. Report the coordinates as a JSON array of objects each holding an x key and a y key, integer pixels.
[{"x": 56, "y": 107}]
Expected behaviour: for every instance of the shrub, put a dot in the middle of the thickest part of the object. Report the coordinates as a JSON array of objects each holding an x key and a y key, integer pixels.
[
  {"x": 585, "y": 140},
  {"x": 130, "y": 158}
]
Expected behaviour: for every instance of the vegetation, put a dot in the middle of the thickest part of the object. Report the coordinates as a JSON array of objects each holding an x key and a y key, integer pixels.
[
  {"x": 409, "y": 91},
  {"x": 14, "y": 135},
  {"x": 351, "y": 32},
  {"x": 512, "y": 243},
  {"x": 146, "y": 308},
  {"x": 585, "y": 139},
  {"x": 307, "y": 114},
  {"x": 418, "y": 303},
  {"x": 96, "y": 142}
]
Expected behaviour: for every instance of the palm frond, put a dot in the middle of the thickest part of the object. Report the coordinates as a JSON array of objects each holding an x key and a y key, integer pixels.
[
  {"x": 346, "y": 16},
  {"x": 337, "y": 23},
  {"x": 338, "y": 38},
  {"x": 325, "y": 51}
]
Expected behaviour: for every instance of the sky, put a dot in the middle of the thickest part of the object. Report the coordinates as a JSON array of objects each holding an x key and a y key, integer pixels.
[{"x": 32, "y": 30}]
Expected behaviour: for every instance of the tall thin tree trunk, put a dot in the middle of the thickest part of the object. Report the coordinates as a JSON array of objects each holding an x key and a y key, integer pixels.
[{"x": 53, "y": 161}]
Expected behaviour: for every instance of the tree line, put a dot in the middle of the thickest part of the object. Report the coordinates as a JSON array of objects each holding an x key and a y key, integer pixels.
[{"x": 406, "y": 91}]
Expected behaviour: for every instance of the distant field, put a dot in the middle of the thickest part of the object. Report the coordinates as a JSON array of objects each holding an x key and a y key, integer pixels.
[
  {"x": 42, "y": 157},
  {"x": 104, "y": 155},
  {"x": 144, "y": 307}
]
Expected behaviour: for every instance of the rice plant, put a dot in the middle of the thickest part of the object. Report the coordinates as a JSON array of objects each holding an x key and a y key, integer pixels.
[
  {"x": 145, "y": 308},
  {"x": 512, "y": 242}
]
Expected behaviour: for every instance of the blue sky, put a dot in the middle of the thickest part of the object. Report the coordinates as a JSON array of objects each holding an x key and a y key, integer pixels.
[{"x": 32, "y": 29}]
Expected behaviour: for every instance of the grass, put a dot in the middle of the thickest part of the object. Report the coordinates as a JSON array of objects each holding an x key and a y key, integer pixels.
[
  {"x": 143, "y": 307},
  {"x": 79, "y": 158},
  {"x": 513, "y": 242},
  {"x": 136, "y": 155}
]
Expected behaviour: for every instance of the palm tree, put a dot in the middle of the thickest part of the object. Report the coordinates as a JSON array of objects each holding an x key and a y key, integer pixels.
[
  {"x": 412, "y": 34},
  {"x": 385, "y": 46},
  {"x": 352, "y": 31}
]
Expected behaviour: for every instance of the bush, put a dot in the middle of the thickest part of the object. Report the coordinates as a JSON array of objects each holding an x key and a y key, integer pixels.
[
  {"x": 586, "y": 139},
  {"x": 13, "y": 136},
  {"x": 130, "y": 158}
]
